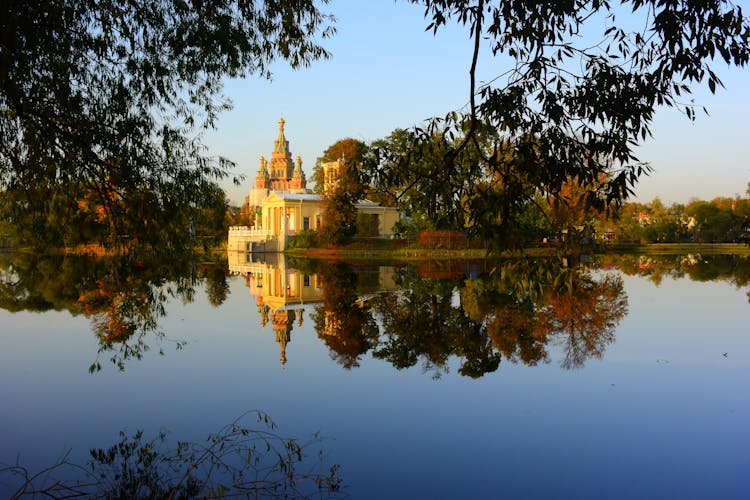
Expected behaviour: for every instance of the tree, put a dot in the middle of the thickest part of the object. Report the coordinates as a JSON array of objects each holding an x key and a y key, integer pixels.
[
  {"x": 402, "y": 171},
  {"x": 339, "y": 215},
  {"x": 585, "y": 317},
  {"x": 712, "y": 223},
  {"x": 575, "y": 102},
  {"x": 212, "y": 215},
  {"x": 111, "y": 96},
  {"x": 350, "y": 151}
]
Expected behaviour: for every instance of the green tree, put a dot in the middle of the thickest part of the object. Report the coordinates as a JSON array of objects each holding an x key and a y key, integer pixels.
[
  {"x": 339, "y": 214},
  {"x": 580, "y": 87},
  {"x": 110, "y": 96},
  {"x": 712, "y": 224},
  {"x": 401, "y": 170},
  {"x": 212, "y": 214},
  {"x": 350, "y": 151}
]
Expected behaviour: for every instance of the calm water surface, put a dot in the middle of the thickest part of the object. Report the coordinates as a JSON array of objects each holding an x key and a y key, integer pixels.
[{"x": 622, "y": 378}]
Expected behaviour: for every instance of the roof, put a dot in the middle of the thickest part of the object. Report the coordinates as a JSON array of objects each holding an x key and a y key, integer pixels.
[
  {"x": 373, "y": 206},
  {"x": 296, "y": 196},
  {"x": 311, "y": 197}
]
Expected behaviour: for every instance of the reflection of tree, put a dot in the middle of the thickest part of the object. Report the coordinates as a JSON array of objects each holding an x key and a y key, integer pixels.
[
  {"x": 124, "y": 298},
  {"x": 344, "y": 323},
  {"x": 732, "y": 268},
  {"x": 526, "y": 304},
  {"x": 217, "y": 288},
  {"x": 512, "y": 312},
  {"x": 509, "y": 322},
  {"x": 421, "y": 322},
  {"x": 584, "y": 319}
]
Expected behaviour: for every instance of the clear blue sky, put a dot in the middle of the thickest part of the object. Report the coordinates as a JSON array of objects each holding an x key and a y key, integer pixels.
[{"x": 386, "y": 72}]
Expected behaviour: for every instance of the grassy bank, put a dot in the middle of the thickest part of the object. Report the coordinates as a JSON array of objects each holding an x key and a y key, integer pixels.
[
  {"x": 388, "y": 250},
  {"x": 682, "y": 248}
]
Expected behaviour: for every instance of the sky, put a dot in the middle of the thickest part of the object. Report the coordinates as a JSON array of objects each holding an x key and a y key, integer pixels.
[{"x": 386, "y": 72}]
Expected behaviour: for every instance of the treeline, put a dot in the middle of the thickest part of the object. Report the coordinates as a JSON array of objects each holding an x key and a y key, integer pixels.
[
  {"x": 76, "y": 214},
  {"x": 721, "y": 220},
  {"x": 496, "y": 198}
]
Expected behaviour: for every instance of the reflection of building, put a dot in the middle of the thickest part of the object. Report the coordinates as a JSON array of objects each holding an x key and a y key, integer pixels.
[
  {"x": 283, "y": 205},
  {"x": 283, "y": 294},
  {"x": 283, "y": 319}
]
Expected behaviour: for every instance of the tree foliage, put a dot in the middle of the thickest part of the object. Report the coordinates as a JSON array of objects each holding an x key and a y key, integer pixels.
[
  {"x": 339, "y": 214},
  {"x": 578, "y": 95},
  {"x": 350, "y": 151},
  {"x": 402, "y": 170},
  {"x": 105, "y": 101},
  {"x": 721, "y": 220}
]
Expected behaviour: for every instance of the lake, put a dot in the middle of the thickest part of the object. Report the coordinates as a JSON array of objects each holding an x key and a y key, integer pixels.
[{"x": 609, "y": 376}]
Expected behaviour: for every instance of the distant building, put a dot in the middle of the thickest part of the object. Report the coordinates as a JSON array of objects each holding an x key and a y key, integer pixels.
[
  {"x": 644, "y": 218},
  {"x": 283, "y": 205}
]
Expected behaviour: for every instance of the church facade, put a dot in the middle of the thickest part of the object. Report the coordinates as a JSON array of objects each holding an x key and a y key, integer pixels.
[{"x": 283, "y": 205}]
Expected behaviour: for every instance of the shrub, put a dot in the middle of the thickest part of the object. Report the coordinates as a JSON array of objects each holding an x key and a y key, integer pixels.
[
  {"x": 250, "y": 462},
  {"x": 444, "y": 238},
  {"x": 307, "y": 238},
  {"x": 367, "y": 225}
]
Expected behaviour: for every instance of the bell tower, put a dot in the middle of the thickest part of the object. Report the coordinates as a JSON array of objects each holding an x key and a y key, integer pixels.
[
  {"x": 279, "y": 174},
  {"x": 281, "y": 159}
]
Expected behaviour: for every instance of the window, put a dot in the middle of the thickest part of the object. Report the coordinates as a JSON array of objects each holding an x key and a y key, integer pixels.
[{"x": 306, "y": 223}]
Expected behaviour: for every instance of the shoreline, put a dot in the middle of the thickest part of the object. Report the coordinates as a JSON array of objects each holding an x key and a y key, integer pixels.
[
  {"x": 415, "y": 253},
  {"x": 483, "y": 253}
]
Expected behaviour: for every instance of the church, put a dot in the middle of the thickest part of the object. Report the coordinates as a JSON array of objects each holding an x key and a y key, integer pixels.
[{"x": 284, "y": 206}]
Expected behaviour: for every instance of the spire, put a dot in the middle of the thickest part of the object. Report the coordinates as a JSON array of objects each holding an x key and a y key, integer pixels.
[
  {"x": 281, "y": 145},
  {"x": 298, "y": 169},
  {"x": 282, "y": 338},
  {"x": 281, "y": 165},
  {"x": 283, "y": 319}
]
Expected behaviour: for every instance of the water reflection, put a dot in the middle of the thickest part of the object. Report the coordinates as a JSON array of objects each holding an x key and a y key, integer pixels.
[
  {"x": 511, "y": 313},
  {"x": 477, "y": 312},
  {"x": 123, "y": 297},
  {"x": 669, "y": 382},
  {"x": 481, "y": 313},
  {"x": 334, "y": 293},
  {"x": 731, "y": 268}
]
